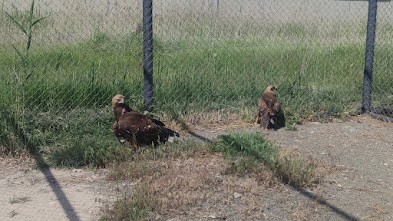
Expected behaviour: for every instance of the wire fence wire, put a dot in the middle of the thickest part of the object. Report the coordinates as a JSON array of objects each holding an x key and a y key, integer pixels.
[
  {"x": 209, "y": 56},
  {"x": 382, "y": 95}
]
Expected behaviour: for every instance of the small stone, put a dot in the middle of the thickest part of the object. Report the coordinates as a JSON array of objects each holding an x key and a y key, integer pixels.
[
  {"x": 212, "y": 216},
  {"x": 237, "y": 195},
  {"x": 219, "y": 179}
]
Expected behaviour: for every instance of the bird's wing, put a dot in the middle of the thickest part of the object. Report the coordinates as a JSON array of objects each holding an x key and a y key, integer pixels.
[
  {"x": 262, "y": 104},
  {"x": 127, "y": 108},
  {"x": 136, "y": 122},
  {"x": 272, "y": 103},
  {"x": 270, "y": 100},
  {"x": 276, "y": 106},
  {"x": 158, "y": 122}
]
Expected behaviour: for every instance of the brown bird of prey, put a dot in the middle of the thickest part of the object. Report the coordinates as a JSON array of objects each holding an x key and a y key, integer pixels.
[
  {"x": 137, "y": 128},
  {"x": 269, "y": 114}
]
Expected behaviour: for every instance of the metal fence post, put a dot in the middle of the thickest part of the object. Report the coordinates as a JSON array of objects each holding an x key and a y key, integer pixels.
[
  {"x": 148, "y": 53},
  {"x": 369, "y": 55}
]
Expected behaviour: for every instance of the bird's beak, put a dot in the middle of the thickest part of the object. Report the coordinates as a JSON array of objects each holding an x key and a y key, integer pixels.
[{"x": 121, "y": 101}]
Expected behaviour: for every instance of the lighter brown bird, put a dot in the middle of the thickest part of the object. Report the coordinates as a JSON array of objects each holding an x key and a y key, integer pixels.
[{"x": 269, "y": 114}]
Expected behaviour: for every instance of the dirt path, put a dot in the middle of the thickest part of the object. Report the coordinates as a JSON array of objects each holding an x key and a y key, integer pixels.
[
  {"x": 362, "y": 150},
  {"x": 360, "y": 187}
]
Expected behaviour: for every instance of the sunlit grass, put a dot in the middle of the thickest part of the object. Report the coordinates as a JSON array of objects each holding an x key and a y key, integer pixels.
[
  {"x": 253, "y": 149},
  {"x": 201, "y": 65},
  {"x": 136, "y": 206},
  {"x": 313, "y": 81}
]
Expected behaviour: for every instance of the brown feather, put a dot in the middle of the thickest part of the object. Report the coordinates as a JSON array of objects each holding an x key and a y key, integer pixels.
[
  {"x": 269, "y": 109},
  {"x": 137, "y": 128}
]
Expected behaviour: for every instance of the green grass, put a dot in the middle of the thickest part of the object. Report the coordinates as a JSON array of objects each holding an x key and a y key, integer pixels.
[
  {"x": 73, "y": 138},
  {"x": 247, "y": 150},
  {"x": 235, "y": 77},
  {"x": 198, "y": 79},
  {"x": 313, "y": 82},
  {"x": 138, "y": 206},
  {"x": 63, "y": 105}
]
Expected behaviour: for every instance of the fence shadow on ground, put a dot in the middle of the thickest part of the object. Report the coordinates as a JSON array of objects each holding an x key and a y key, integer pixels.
[
  {"x": 187, "y": 129},
  {"x": 199, "y": 137},
  {"x": 321, "y": 201},
  {"x": 326, "y": 204},
  {"x": 69, "y": 210}
]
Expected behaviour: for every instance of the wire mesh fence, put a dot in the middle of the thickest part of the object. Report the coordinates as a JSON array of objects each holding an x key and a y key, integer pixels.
[
  {"x": 56, "y": 89},
  {"x": 230, "y": 50},
  {"x": 209, "y": 56},
  {"x": 382, "y": 96}
]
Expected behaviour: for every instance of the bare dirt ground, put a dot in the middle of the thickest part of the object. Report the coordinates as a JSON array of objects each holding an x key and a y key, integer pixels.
[
  {"x": 55, "y": 194},
  {"x": 360, "y": 151}
]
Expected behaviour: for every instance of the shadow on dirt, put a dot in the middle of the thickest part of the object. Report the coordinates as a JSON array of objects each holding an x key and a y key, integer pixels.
[
  {"x": 45, "y": 170},
  {"x": 339, "y": 212},
  {"x": 330, "y": 206},
  {"x": 199, "y": 137}
]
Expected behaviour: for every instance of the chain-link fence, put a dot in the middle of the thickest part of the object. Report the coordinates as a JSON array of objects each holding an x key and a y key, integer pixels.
[
  {"x": 209, "y": 56},
  {"x": 312, "y": 50},
  {"x": 382, "y": 95},
  {"x": 56, "y": 88}
]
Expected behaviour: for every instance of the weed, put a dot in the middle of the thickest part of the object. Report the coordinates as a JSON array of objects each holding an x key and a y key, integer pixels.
[
  {"x": 242, "y": 165},
  {"x": 138, "y": 206},
  {"x": 15, "y": 200},
  {"x": 13, "y": 213},
  {"x": 294, "y": 171},
  {"x": 252, "y": 145},
  {"x": 291, "y": 127},
  {"x": 142, "y": 162},
  {"x": 20, "y": 77},
  {"x": 247, "y": 150},
  {"x": 27, "y": 29}
]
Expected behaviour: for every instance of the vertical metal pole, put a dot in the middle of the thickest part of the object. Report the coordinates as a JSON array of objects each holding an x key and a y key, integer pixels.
[
  {"x": 148, "y": 53},
  {"x": 369, "y": 55}
]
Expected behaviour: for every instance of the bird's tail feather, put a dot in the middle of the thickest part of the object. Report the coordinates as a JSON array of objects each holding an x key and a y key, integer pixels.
[{"x": 166, "y": 134}]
